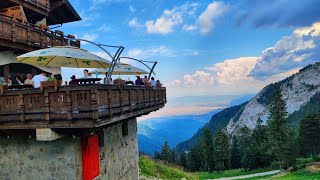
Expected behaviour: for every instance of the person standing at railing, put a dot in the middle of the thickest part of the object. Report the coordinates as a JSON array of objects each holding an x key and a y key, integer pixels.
[
  {"x": 38, "y": 78},
  {"x": 153, "y": 82},
  {"x": 29, "y": 79}
]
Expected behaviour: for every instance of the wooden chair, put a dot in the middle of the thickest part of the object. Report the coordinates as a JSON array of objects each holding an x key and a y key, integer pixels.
[{"x": 3, "y": 88}]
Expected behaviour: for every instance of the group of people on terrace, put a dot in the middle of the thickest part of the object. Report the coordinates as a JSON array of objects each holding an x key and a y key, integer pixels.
[
  {"x": 36, "y": 80},
  {"x": 139, "y": 81},
  {"x": 30, "y": 80}
]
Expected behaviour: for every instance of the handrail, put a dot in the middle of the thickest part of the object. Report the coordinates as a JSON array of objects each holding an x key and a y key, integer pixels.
[{"x": 92, "y": 104}]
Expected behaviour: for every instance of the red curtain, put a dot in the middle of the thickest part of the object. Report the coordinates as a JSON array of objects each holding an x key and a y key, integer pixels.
[{"x": 90, "y": 157}]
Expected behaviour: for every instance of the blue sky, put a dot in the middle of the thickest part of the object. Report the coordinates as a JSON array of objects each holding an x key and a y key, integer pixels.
[{"x": 206, "y": 47}]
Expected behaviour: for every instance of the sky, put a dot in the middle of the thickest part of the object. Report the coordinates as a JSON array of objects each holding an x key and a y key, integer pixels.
[{"x": 205, "y": 48}]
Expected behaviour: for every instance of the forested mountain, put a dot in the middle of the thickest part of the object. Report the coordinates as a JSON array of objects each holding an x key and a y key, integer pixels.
[
  {"x": 154, "y": 132},
  {"x": 301, "y": 93}
]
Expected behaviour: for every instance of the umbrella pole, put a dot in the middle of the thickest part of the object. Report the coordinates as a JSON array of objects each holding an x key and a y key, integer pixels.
[
  {"x": 114, "y": 58},
  {"x": 151, "y": 71}
]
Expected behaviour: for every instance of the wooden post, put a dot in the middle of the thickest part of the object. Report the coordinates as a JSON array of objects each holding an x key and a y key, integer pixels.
[
  {"x": 6, "y": 72},
  {"x": 69, "y": 105},
  {"x": 94, "y": 100},
  {"x": 109, "y": 102},
  {"x": 47, "y": 106},
  {"x": 21, "y": 106}
]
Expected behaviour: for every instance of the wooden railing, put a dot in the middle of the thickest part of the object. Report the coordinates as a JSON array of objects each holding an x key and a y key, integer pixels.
[
  {"x": 28, "y": 35},
  {"x": 77, "y": 106}
]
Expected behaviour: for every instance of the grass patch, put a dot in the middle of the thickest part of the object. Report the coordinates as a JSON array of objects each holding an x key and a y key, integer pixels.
[
  {"x": 230, "y": 173},
  {"x": 300, "y": 174},
  {"x": 160, "y": 169}
]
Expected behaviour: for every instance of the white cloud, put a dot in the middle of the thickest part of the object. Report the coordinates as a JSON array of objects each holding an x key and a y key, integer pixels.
[
  {"x": 189, "y": 27},
  {"x": 104, "y": 28},
  {"x": 228, "y": 77},
  {"x": 132, "y": 9},
  {"x": 166, "y": 23},
  {"x": 170, "y": 111},
  {"x": 89, "y": 37},
  {"x": 206, "y": 20},
  {"x": 299, "y": 49},
  {"x": 170, "y": 19},
  {"x": 150, "y": 52},
  {"x": 134, "y": 23}
]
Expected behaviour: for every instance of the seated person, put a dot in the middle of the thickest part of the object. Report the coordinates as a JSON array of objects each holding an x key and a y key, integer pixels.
[
  {"x": 38, "y": 78},
  {"x": 139, "y": 81},
  {"x": 9, "y": 82},
  {"x": 19, "y": 80},
  {"x": 153, "y": 82},
  {"x": 29, "y": 79},
  {"x": 58, "y": 77},
  {"x": 72, "y": 82},
  {"x": 86, "y": 74},
  {"x": 145, "y": 79}
]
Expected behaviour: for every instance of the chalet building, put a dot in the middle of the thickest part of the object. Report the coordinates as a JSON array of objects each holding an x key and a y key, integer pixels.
[
  {"x": 24, "y": 27},
  {"x": 86, "y": 131}
]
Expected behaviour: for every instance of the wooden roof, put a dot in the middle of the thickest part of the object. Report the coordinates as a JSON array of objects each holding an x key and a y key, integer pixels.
[{"x": 61, "y": 11}]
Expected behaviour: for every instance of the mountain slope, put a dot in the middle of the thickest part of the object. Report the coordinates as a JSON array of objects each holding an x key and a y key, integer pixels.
[
  {"x": 154, "y": 132},
  {"x": 219, "y": 120},
  {"x": 300, "y": 92}
]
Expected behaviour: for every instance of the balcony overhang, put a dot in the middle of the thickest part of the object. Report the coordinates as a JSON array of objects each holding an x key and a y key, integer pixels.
[{"x": 62, "y": 12}]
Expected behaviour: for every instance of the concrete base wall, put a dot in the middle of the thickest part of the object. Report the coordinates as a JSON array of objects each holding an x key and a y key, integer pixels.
[
  {"x": 25, "y": 158},
  {"x": 119, "y": 155}
]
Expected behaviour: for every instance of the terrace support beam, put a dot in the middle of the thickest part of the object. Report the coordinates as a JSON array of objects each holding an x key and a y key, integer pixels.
[{"x": 46, "y": 134}]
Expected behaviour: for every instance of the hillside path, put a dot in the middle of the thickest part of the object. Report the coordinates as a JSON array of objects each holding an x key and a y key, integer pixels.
[{"x": 249, "y": 175}]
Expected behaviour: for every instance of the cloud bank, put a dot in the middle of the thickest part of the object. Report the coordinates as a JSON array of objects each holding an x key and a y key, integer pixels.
[
  {"x": 280, "y": 13},
  {"x": 299, "y": 49}
]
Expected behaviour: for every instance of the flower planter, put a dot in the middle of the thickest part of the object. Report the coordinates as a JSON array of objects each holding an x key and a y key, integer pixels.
[
  {"x": 3, "y": 88},
  {"x": 119, "y": 82},
  {"x": 55, "y": 84}
]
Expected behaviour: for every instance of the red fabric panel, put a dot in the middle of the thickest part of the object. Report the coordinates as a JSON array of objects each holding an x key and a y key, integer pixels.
[{"x": 90, "y": 157}]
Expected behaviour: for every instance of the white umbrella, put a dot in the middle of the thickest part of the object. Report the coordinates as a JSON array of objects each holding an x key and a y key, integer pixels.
[
  {"x": 122, "y": 69},
  {"x": 64, "y": 56}
]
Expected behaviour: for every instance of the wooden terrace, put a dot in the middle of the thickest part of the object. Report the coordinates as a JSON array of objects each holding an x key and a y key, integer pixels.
[{"x": 77, "y": 106}]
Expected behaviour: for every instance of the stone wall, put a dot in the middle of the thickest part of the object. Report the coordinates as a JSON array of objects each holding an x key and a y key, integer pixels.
[
  {"x": 25, "y": 158},
  {"x": 119, "y": 155}
]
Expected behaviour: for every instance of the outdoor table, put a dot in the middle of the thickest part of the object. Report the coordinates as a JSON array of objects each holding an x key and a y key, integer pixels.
[
  {"x": 129, "y": 83},
  {"x": 23, "y": 86},
  {"x": 87, "y": 80}
]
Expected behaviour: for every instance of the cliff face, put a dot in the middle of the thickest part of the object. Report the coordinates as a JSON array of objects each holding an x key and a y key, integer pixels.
[
  {"x": 296, "y": 90},
  {"x": 300, "y": 92}
]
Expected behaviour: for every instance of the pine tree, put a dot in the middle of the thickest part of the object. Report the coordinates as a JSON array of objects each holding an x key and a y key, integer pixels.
[
  {"x": 278, "y": 131},
  {"x": 183, "y": 160},
  {"x": 194, "y": 158},
  {"x": 222, "y": 151},
  {"x": 244, "y": 138},
  {"x": 208, "y": 150},
  {"x": 166, "y": 154},
  {"x": 310, "y": 135},
  {"x": 157, "y": 155},
  {"x": 259, "y": 147},
  {"x": 235, "y": 154}
]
